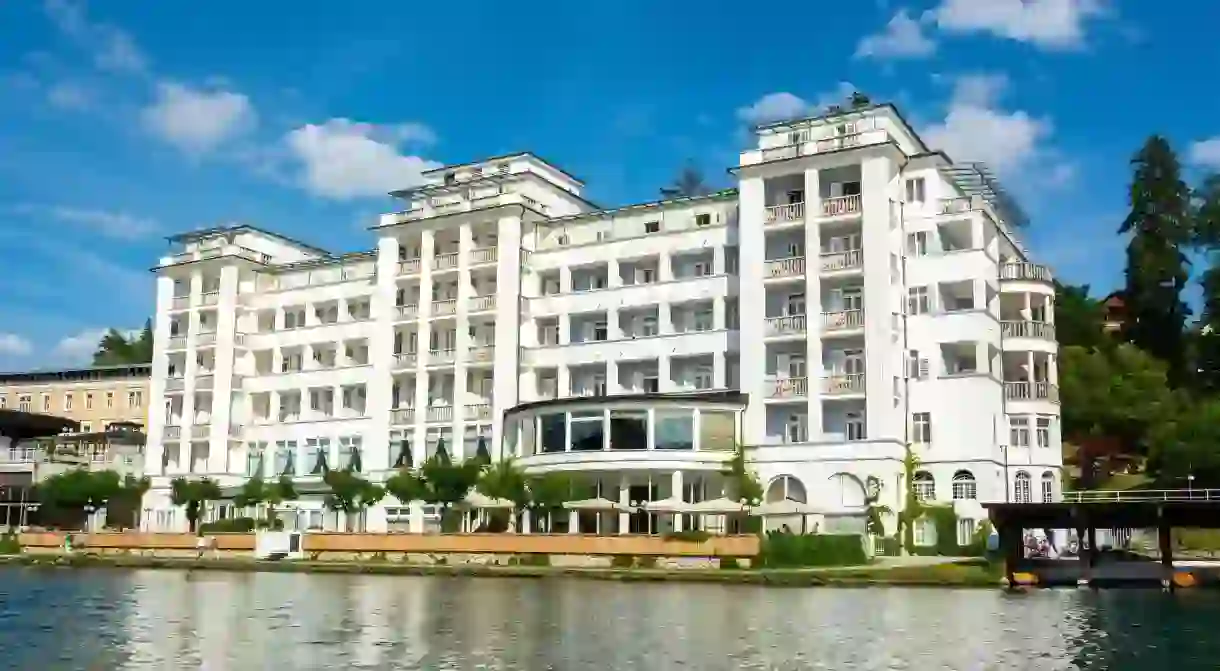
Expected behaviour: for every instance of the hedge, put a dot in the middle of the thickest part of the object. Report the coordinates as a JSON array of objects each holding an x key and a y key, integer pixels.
[
  {"x": 788, "y": 550},
  {"x": 9, "y": 545},
  {"x": 239, "y": 525}
]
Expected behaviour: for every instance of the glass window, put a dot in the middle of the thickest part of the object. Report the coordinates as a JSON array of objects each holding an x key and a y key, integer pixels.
[
  {"x": 675, "y": 430},
  {"x": 964, "y": 486},
  {"x": 924, "y": 486},
  {"x": 529, "y": 442},
  {"x": 628, "y": 429},
  {"x": 588, "y": 430},
  {"x": 511, "y": 428},
  {"x": 717, "y": 430},
  {"x": 554, "y": 432}
]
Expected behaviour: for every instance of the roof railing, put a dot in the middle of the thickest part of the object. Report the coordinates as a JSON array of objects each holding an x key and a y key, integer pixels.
[{"x": 1142, "y": 495}]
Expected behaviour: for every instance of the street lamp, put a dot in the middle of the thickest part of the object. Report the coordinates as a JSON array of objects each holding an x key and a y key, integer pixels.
[{"x": 89, "y": 510}]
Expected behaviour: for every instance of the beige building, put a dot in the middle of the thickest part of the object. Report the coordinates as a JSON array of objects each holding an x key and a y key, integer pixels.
[{"x": 95, "y": 396}]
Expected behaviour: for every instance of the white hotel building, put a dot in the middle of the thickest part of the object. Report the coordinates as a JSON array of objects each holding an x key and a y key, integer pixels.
[{"x": 854, "y": 294}]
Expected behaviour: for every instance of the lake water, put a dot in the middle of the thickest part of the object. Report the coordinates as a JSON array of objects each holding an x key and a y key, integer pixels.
[{"x": 111, "y": 619}]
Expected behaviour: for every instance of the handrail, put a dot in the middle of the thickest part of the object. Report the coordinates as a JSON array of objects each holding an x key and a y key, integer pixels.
[{"x": 1142, "y": 495}]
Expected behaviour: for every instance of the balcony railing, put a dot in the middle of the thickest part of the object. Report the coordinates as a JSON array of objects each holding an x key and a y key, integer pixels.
[
  {"x": 791, "y": 267},
  {"x": 844, "y": 384},
  {"x": 445, "y": 261},
  {"x": 219, "y": 251},
  {"x": 482, "y": 303},
  {"x": 781, "y": 213},
  {"x": 409, "y": 267},
  {"x": 1028, "y": 329},
  {"x": 209, "y": 298},
  {"x": 175, "y": 384},
  {"x": 1031, "y": 272},
  {"x": 439, "y": 413},
  {"x": 842, "y": 320},
  {"x": 405, "y": 360},
  {"x": 788, "y": 325},
  {"x": 180, "y": 302},
  {"x": 482, "y": 353},
  {"x": 788, "y": 387},
  {"x": 440, "y": 356},
  {"x": 840, "y": 206},
  {"x": 478, "y": 411},
  {"x": 481, "y": 255},
  {"x": 205, "y": 338},
  {"x": 445, "y": 307},
  {"x": 173, "y": 432},
  {"x": 848, "y": 260},
  {"x": 176, "y": 342},
  {"x": 201, "y": 431},
  {"x": 409, "y": 311},
  {"x": 402, "y": 416},
  {"x": 1031, "y": 391},
  {"x": 205, "y": 381}
]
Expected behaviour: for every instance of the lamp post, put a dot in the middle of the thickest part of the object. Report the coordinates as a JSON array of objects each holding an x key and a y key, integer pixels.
[{"x": 90, "y": 508}]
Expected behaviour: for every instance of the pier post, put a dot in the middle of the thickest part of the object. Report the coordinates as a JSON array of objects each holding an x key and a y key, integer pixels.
[
  {"x": 1164, "y": 536},
  {"x": 1090, "y": 554},
  {"x": 1010, "y": 548}
]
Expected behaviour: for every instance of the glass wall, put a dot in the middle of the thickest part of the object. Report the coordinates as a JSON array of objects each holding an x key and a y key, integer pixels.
[
  {"x": 628, "y": 429},
  {"x": 717, "y": 430},
  {"x": 588, "y": 430},
  {"x": 553, "y": 428},
  {"x": 675, "y": 430}
]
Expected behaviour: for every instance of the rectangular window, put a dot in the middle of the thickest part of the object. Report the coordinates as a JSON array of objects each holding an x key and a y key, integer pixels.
[
  {"x": 3, "y": 402},
  {"x": 965, "y": 531},
  {"x": 915, "y": 190},
  {"x": 651, "y": 384},
  {"x": 855, "y": 426},
  {"x": 652, "y": 227},
  {"x": 702, "y": 220},
  {"x": 1018, "y": 431},
  {"x": 46, "y": 403},
  {"x": 917, "y": 243},
  {"x": 88, "y": 401},
  {"x": 675, "y": 430},
  {"x": 1044, "y": 432},
  {"x": 109, "y": 400},
  {"x": 921, "y": 427},
  {"x": 23, "y": 403},
  {"x": 67, "y": 402},
  {"x": 703, "y": 378},
  {"x": 601, "y": 331},
  {"x": 917, "y": 368},
  {"x": 917, "y": 301}
]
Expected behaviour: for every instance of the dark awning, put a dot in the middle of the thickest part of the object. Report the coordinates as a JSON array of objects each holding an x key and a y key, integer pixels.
[{"x": 19, "y": 425}]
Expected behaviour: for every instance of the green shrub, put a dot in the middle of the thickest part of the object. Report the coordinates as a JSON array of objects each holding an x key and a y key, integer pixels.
[
  {"x": 692, "y": 536},
  {"x": 730, "y": 564},
  {"x": 622, "y": 561},
  {"x": 233, "y": 525},
  {"x": 532, "y": 560},
  {"x": 9, "y": 545},
  {"x": 788, "y": 550},
  {"x": 274, "y": 524}
]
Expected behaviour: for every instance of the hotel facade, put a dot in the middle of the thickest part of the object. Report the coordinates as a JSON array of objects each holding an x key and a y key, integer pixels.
[{"x": 855, "y": 294}]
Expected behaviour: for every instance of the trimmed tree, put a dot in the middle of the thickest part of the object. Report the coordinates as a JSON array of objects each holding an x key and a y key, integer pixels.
[
  {"x": 547, "y": 494},
  {"x": 351, "y": 495},
  {"x": 504, "y": 480},
  {"x": 193, "y": 495},
  {"x": 447, "y": 484},
  {"x": 64, "y": 496}
]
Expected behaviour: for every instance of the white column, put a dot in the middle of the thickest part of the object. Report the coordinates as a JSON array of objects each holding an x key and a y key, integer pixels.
[
  {"x": 378, "y": 453},
  {"x": 814, "y": 366},
  {"x": 223, "y": 395},
  {"x": 675, "y": 486},
  {"x": 752, "y": 305},
  {"x": 624, "y": 500},
  {"x": 883, "y": 418},
  {"x": 508, "y": 378}
]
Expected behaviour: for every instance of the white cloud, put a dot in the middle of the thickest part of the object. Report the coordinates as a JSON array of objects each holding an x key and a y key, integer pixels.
[
  {"x": 977, "y": 129},
  {"x": 118, "y": 225},
  {"x": 774, "y": 107},
  {"x": 838, "y": 95},
  {"x": 1051, "y": 24},
  {"x": 1205, "y": 153},
  {"x": 14, "y": 345},
  {"x": 111, "y": 48},
  {"x": 343, "y": 159},
  {"x": 79, "y": 348},
  {"x": 902, "y": 38},
  {"x": 69, "y": 96},
  {"x": 197, "y": 120}
]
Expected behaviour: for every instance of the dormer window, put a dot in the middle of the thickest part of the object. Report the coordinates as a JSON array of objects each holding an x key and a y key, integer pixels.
[{"x": 450, "y": 178}]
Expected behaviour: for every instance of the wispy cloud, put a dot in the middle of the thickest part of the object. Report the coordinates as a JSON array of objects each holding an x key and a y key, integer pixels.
[
  {"x": 1049, "y": 24},
  {"x": 12, "y": 344},
  {"x": 111, "y": 48},
  {"x": 1205, "y": 153},
  {"x": 903, "y": 37},
  {"x": 111, "y": 224}
]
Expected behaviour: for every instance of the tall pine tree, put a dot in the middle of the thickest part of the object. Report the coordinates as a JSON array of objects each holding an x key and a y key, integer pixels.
[
  {"x": 1157, "y": 268},
  {"x": 1206, "y": 345}
]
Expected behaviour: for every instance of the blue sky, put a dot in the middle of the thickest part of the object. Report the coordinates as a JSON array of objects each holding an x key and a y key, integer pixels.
[{"x": 123, "y": 122}]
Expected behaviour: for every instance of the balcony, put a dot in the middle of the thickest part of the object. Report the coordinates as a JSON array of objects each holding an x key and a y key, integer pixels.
[
  {"x": 841, "y": 206},
  {"x": 778, "y": 214},
  {"x": 1028, "y": 272},
  {"x": 803, "y": 142},
  {"x": 843, "y": 320},
  {"x": 409, "y": 311},
  {"x": 852, "y": 259},
  {"x": 205, "y": 338},
  {"x": 209, "y": 298},
  {"x": 791, "y": 267},
  {"x": 180, "y": 302},
  {"x": 176, "y": 342},
  {"x": 837, "y": 385},
  {"x": 409, "y": 267},
  {"x": 175, "y": 384},
  {"x": 218, "y": 252},
  {"x": 439, "y": 413},
  {"x": 1028, "y": 329},
  {"x": 478, "y": 411},
  {"x": 1031, "y": 391},
  {"x": 788, "y": 387},
  {"x": 201, "y": 431},
  {"x": 204, "y": 381},
  {"x": 402, "y": 416},
  {"x": 482, "y": 353},
  {"x": 481, "y": 203},
  {"x": 440, "y": 357},
  {"x": 173, "y": 432},
  {"x": 445, "y": 261},
  {"x": 481, "y": 303},
  {"x": 444, "y": 307},
  {"x": 482, "y": 255},
  {"x": 405, "y": 360},
  {"x": 786, "y": 326}
]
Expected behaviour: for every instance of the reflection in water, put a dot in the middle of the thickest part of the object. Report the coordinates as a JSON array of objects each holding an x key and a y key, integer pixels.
[{"x": 76, "y": 619}]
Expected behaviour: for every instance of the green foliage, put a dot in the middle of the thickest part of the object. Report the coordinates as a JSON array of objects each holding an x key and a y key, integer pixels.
[
  {"x": 192, "y": 495},
  {"x": 788, "y": 550},
  {"x": 622, "y": 561},
  {"x": 875, "y": 512},
  {"x": 233, "y": 525},
  {"x": 912, "y": 507},
  {"x": 1185, "y": 443},
  {"x": 504, "y": 480},
  {"x": 253, "y": 493},
  {"x": 1119, "y": 392},
  {"x": 280, "y": 491},
  {"x": 406, "y": 486},
  {"x": 9, "y": 545},
  {"x": 689, "y": 536},
  {"x": 547, "y": 494},
  {"x": 744, "y": 485},
  {"x": 1079, "y": 318},
  {"x": 688, "y": 184},
  {"x": 116, "y": 349},
  {"x": 350, "y": 493},
  {"x": 447, "y": 483},
  {"x": 532, "y": 560}
]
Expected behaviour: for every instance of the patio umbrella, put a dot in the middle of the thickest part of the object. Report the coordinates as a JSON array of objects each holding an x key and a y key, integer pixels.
[
  {"x": 404, "y": 455},
  {"x": 670, "y": 505},
  {"x": 475, "y": 499},
  {"x": 595, "y": 504},
  {"x": 720, "y": 506}
]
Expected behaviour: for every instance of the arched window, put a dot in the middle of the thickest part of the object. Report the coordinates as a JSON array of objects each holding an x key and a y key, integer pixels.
[
  {"x": 1048, "y": 487},
  {"x": 786, "y": 487},
  {"x": 1023, "y": 491},
  {"x": 847, "y": 490},
  {"x": 964, "y": 486},
  {"x": 925, "y": 486}
]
